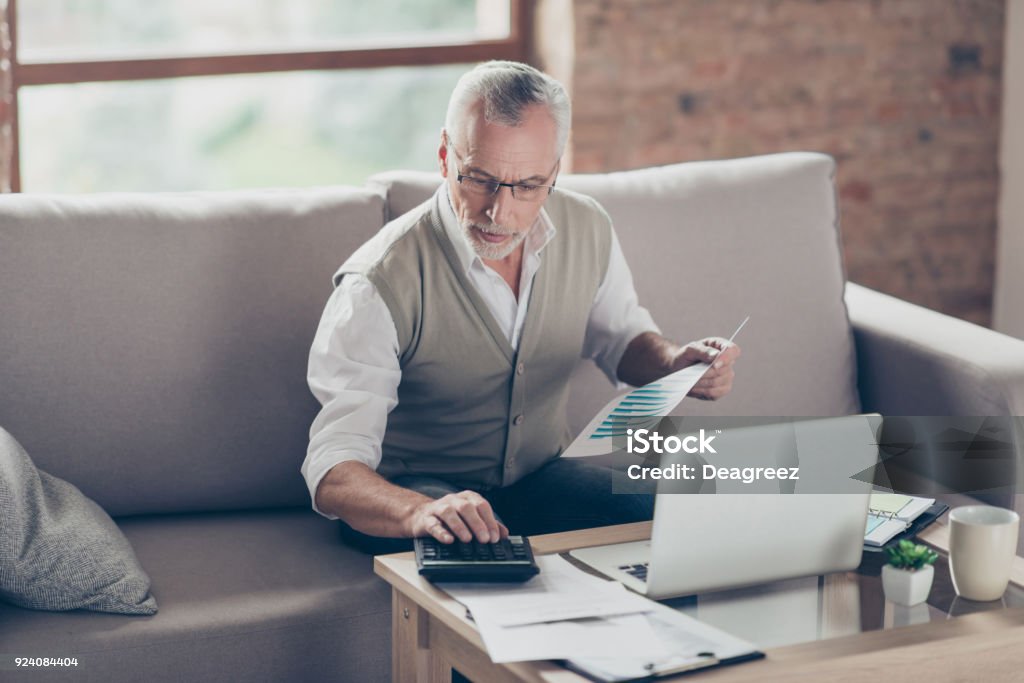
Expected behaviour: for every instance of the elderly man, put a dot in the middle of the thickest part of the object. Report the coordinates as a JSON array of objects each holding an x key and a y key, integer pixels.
[{"x": 444, "y": 354}]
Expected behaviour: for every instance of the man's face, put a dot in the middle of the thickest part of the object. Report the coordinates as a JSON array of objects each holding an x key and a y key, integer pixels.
[{"x": 495, "y": 225}]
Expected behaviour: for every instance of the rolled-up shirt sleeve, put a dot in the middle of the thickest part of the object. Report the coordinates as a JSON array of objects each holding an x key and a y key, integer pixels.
[
  {"x": 616, "y": 317},
  {"x": 354, "y": 372}
]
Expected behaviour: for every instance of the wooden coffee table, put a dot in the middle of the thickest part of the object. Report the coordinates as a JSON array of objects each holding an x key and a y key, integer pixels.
[{"x": 431, "y": 634}]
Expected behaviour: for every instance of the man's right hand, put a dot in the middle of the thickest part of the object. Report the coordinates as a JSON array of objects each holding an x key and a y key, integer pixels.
[{"x": 464, "y": 515}]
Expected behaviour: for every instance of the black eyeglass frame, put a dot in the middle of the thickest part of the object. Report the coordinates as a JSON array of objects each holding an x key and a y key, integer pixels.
[{"x": 496, "y": 185}]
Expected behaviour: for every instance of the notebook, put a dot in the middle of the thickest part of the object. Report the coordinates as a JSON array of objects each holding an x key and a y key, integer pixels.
[{"x": 890, "y": 514}]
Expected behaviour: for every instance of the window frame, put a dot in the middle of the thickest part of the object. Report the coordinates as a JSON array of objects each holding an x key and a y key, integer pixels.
[{"x": 515, "y": 47}]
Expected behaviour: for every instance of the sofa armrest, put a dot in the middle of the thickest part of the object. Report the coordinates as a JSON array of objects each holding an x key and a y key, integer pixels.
[{"x": 915, "y": 361}]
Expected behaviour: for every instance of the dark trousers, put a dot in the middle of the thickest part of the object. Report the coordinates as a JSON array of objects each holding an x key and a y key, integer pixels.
[{"x": 563, "y": 495}]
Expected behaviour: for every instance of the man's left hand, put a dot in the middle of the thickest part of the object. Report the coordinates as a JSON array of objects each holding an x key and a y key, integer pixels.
[{"x": 718, "y": 352}]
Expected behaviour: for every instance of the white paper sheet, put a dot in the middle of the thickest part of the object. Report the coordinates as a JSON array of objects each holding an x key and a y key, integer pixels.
[
  {"x": 626, "y": 636},
  {"x": 640, "y": 408},
  {"x": 559, "y": 592},
  {"x": 562, "y": 612}
]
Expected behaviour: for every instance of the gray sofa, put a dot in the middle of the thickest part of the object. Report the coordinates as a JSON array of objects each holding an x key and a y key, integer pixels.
[{"x": 153, "y": 352}]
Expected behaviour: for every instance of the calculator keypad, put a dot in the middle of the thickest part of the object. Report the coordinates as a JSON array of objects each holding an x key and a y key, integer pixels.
[{"x": 510, "y": 559}]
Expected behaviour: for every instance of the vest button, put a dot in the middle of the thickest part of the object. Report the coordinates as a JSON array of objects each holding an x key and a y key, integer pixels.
[
  {"x": 521, "y": 368},
  {"x": 518, "y": 421}
]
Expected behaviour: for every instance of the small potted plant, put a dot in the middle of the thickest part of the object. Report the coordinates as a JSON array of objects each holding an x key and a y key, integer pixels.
[{"x": 907, "y": 576}]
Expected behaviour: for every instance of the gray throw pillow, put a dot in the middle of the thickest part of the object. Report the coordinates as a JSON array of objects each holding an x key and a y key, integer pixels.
[{"x": 58, "y": 549}]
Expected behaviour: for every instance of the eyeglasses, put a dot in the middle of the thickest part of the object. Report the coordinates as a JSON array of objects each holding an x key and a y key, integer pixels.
[{"x": 524, "y": 192}]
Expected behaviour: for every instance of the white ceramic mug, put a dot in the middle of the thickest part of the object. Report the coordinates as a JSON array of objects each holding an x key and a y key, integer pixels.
[{"x": 982, "y": 545}]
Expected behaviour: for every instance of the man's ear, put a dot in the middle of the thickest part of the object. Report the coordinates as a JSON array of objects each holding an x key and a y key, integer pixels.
[{"x": 442, "y": 153}]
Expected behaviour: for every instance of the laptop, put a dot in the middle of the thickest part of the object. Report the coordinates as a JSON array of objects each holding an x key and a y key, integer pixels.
[{"x": 746, "y": 533}]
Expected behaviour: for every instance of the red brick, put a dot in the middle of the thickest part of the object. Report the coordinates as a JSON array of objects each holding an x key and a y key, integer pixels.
[
  {"x": 891, "y": 111},
  {"x": 855, "y": 190},
  {"x": 715, "y": 69},
  {"x": 867, "y": 82}
]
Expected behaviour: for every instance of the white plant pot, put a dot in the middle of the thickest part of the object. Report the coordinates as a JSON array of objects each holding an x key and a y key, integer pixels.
[{"x": 907, "y": 588}]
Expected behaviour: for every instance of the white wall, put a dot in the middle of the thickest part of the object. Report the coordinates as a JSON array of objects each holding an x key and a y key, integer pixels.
[{"x": 1008, "y": 313}]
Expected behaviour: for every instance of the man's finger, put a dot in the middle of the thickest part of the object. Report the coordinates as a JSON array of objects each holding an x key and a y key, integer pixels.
[
  {"x": 728, "y": 352},
  {"x": 454, "y": 522},
  {"x": 713, "y": 389},
  {"x": 718, "y": 392},
  {"x": 503, "y": 529},
  {"x": 436, "y": 528},
  {"x": 467, "y": 509},
  {"x": 699, "y": 352},
  {"x": 487, "y": 513},
  {"x": 716, "y": 375},
  {"x": 717, "y": 389},
  {"x": 725, "y": 376}
]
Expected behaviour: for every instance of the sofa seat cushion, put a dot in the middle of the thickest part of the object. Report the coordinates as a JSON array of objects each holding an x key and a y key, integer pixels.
[{"x": 256, "y": 596}]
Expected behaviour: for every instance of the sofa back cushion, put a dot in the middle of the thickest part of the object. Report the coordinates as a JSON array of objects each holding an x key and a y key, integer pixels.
[
  {"x": 710, "y": 243},
  {"x": 153, "y": 348}
]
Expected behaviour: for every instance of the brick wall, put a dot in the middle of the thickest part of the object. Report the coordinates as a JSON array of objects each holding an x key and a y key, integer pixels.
[{"x": 905, "y": 94}]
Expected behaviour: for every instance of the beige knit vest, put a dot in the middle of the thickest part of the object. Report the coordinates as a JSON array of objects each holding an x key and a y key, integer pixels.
[{"x": 471, "y": 410}]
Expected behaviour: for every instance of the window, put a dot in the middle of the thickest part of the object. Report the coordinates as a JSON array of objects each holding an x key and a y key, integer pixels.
[{"x": 212, "y": 94}]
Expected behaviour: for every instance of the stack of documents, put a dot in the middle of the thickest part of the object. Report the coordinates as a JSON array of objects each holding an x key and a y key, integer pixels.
[
  {"x": 562, "y": 612},
  {"x": 598, "y": 626}
]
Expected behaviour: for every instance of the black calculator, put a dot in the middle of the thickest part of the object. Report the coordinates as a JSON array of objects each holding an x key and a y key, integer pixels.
[{"x": 510, "y": 559}]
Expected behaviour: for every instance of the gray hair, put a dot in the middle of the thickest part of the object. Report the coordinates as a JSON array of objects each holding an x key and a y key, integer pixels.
[{"x": 506, "y": 89}]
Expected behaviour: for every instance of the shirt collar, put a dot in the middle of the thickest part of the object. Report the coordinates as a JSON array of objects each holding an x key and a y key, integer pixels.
[{"x": 542, "y": 232}]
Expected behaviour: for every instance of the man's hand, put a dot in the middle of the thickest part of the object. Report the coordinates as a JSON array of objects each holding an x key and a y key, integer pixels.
[
  {"x": 720, "y": 353},
  {"x": 373, "y": 505},
  {"x": 650, "y": 357},
  {"x": 465, "y": 514}
]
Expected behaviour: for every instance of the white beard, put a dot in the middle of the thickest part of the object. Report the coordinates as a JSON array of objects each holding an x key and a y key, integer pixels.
[{"x": 486, "y": 250}]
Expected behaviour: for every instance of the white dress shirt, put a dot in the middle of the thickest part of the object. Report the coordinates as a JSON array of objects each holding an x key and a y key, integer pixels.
[{"x": 353, "y": 364}]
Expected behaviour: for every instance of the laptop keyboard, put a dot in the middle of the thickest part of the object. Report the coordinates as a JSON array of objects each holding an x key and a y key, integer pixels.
[{"x": 637, "y": 570}]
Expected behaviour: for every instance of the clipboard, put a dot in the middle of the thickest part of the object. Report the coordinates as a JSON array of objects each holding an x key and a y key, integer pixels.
[
  {"x": 697, "y": 646},
  {"x": 709, "y": 662}
]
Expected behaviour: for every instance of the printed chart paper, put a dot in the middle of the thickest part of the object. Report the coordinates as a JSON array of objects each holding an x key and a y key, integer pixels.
[{"x": 640, "y": 408}]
